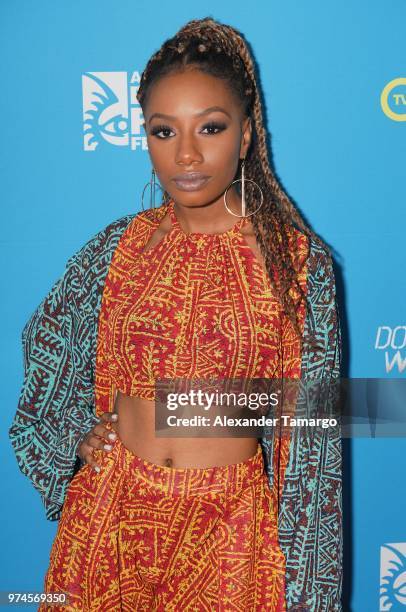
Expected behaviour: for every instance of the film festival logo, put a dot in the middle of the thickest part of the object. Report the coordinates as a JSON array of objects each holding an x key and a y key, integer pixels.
[
  {"x": 393, "y": 99},
  {"x": 111, "y": 112},
  {"x": 392, "y": 594},
  {"x": 392, "y": 341}
]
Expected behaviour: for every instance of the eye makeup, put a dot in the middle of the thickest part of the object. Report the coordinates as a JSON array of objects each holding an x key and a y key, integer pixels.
[{"x": 219, "y": 126}]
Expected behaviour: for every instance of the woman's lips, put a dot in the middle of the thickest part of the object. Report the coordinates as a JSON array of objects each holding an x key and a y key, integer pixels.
[{"x": 192, "y": 184}]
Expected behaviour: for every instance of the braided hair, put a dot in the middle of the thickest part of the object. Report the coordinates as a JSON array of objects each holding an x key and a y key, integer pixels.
[{"x": 220, "y": 50}]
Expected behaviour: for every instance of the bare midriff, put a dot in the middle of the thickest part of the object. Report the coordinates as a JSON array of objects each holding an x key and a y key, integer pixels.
[{"x": 136, "y": 430}]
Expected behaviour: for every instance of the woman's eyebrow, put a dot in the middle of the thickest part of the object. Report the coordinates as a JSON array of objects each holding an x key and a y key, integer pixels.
[{"x": 211, "y": 109}]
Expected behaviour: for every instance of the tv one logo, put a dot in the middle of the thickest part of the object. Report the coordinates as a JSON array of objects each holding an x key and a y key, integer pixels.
[
  {"x": 393, "y": 99},
  {"x": 392, "y": 594},
  {"x": 392, "y": 341},
  {"x": 112, "y": 115}
]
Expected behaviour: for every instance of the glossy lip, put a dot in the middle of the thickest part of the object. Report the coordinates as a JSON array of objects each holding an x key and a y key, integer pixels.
[
  {"x": 190, "y": 176},
  {"x": 190, "y": 181}
]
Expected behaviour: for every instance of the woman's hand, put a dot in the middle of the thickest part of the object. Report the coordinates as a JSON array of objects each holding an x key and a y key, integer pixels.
[{"x": 100, "y": 436}]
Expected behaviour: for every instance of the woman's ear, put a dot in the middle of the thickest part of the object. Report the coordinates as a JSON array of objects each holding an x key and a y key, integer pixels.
[{"x": 246, "y": 136}]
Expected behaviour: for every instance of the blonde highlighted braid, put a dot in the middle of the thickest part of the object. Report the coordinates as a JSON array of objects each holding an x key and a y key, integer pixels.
[{"x": 220, "y": 50}]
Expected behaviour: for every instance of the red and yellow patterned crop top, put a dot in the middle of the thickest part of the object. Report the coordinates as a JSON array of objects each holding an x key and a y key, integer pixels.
[{"x": 193, "y": 306}]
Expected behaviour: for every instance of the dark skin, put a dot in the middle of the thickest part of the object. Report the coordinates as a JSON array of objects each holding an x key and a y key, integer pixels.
[{"x": 186, "y": 143}]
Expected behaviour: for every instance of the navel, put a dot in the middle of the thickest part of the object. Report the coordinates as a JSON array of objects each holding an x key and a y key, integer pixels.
[{"x": 168, "y": 462}]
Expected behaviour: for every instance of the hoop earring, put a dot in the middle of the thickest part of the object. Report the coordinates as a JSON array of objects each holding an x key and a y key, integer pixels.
[
  {"x": 153, "y": 183},
  {"x": 243, "y": 205}
]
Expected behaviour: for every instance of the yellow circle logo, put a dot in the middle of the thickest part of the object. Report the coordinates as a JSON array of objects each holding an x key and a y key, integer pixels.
[{"x": 398, "y": 98}]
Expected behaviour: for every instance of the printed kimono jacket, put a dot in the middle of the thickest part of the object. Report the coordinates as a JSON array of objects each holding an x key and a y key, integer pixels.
[{"x": 56, "y": 409}]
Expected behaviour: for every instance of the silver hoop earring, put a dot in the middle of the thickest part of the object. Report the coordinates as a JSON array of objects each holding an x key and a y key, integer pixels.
[
  {"x": 154, "y": 185},
  {"x": 243, "y": 181}
]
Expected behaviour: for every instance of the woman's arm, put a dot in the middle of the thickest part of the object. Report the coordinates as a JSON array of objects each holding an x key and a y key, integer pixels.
[
  {"x": 56, "y": 404},
  {"x": 55, "y": 408},
  {"x": 310, "y": 514},
  {"x": 310, "y": 488}
]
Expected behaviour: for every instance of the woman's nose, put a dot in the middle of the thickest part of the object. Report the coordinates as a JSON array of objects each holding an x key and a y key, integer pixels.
[{"x": 188, "y": 151}]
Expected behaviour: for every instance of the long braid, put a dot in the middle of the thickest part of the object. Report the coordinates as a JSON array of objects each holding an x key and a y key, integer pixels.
[{"x": 220, "y": 50}]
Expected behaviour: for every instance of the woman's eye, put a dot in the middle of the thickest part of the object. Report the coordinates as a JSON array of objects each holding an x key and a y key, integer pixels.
[
  {"x": 219, "y": 127},
  {"x": 158, "y": 129},
  {"x": 163, "y": 131}
]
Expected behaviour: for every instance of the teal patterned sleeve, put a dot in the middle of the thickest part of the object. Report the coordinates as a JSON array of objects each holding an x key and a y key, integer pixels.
[
  {"x": 56, "y": 404},
  {"x": 55, "y": 407},
  {"x": 310, "y": 513},
  {"x": 310, "y": 503}
]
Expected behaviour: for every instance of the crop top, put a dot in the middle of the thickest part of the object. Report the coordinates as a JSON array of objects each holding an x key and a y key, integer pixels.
[{"x": 195, "y": 305}]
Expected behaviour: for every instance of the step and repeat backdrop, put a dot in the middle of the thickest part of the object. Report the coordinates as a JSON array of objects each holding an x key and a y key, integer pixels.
[{"x": 74, "y": 158}]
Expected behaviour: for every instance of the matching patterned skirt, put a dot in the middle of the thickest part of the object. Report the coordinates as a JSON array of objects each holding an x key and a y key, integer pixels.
[{"x": 141, "y": 536}]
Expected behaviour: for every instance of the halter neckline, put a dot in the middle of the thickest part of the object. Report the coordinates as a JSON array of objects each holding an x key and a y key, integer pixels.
[{"x": 175, "y": 224}]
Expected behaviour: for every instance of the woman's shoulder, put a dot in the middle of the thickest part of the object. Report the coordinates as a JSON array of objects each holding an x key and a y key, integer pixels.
[
  {"x": 102, "y": 241},
  {"x": 309, "y": 250},
  {"x": 100, "y": 247}
]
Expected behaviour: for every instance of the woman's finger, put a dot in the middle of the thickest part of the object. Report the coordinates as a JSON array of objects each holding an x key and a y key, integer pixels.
[
  {"x": 87, "y": 455},
  {"x": 109, "y": 417},
  {"x": 100, "y": 437},
  {"x": 104, "y": 432},
  {"x": 97, "y": 442}
]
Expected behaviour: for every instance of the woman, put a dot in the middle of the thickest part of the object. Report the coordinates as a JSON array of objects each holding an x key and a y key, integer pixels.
[{"x": 222, "y": 279}]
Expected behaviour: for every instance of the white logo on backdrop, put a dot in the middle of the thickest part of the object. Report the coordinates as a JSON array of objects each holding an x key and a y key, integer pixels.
[
  {"x": 111, "y": 112},
  {"x": 392, "y": 341},
  {"x": 393, "y": 578}
]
